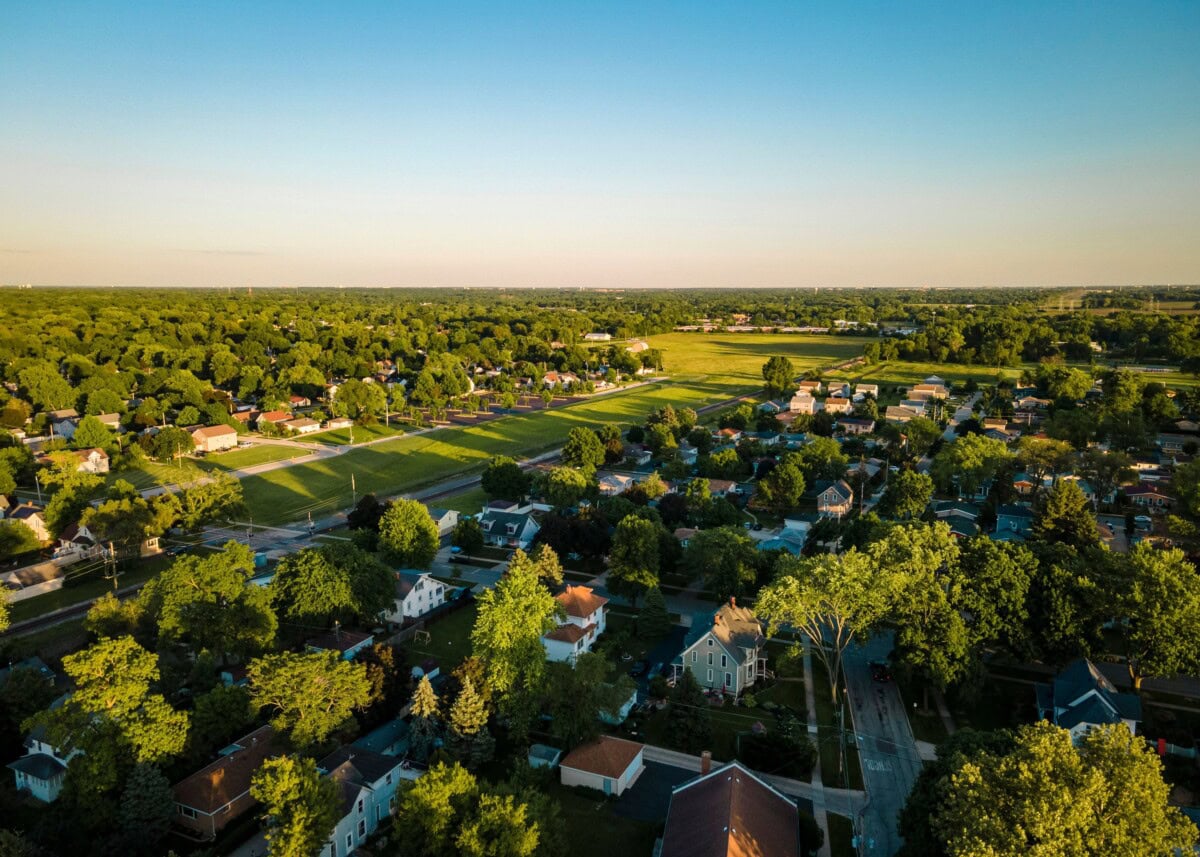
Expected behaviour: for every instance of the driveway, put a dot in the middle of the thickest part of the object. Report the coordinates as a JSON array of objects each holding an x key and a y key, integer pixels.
[
  {"x": 663, "y": 653},
  {"x": 890, "y": 759}
]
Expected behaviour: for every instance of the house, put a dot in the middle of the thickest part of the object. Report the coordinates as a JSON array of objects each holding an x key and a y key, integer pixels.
[
  {"x": 1026, "y": 484},
  {"x": 508, "y": 529},
  {"x": 722, "y": 487},
  {"x": 763, "y": 438},
  {"x": 273, "y": 418},
  {"x": 684, "y": 535},
  {"x": 1031, "y": 403},
  {"x": 612, "y": 484},
  {"x": 299, "y": 401},
  {"x": 994, "y": 423},
  {"x": 91, "y": 461},
  {"x": 1173, "y": 444},
  {"x": 897, "y": 414},
  {"x": 1081, "y": 697},
  {"x": 1148, "y": 494},
  {"x": 1001, "y": 435},
  {"x": 41, "y": 771},
  {"x": 78, "y": 542},
  {"x": 1012, "y": 519},
  {"x": 809, "y": 387},
  {"x": 609, "y": 765},
  {"x": 598, "y": 336},
  {"x": 835, "y": 499},
  {"x": 917, "y": 406},
  {"x": 304, "y": 425},
  {"x": 390, "y": 739},
  {"x": 366, "y": 787},
  {"x": 208, "y": 800},
  {"x": 63, "y": 422},
  {"x": 688, "y": 454},
  {"x": 563, "y": 378},
  {"x": 215, "y": 438},
  {"x": 959, "y": 516},
  {"x": 791, "y": 537},
  {"x": 802, "y": 403},
  {"x": 837, "y": 405},
  {"x": 338, "y": 423},
  {"x": 347, "y": 643},
  {"x": 929, "y": 391},
  {"x": 728, "y": 435},
  {"x": 729, "y": 812},
  {"x": 33, "y": 517},
  {"x": 863, "y": 390},
  {"x": 637, "y": 346},
  {"x": 110, "y": 421},
  {"x": 724, "y": 649},
  {"x": 637, "y": 455},
  {"x": 446, "y": 519},
  {"x": 586, "y": 618},
  {"x": 856, "y": 426},
  {"x": 417, "y": 593}
]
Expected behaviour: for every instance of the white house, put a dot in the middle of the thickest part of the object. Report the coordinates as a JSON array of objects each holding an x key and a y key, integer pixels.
[
  {"x": 1081, "y": 697},
  {"x": 347, "y": 643},
  {"x": 612, "y": 484},
  {"x": 77, "y": 541},
  {"x": 366, "y": 784},
  {"x": 863, "y": 390},
  {"x": 598, "y": 336},
  {"x": 609, "y": 765},
  {"x": 835, "y": 499},
  {"x": 92, "y": 461},
  {"x": 586, "y": 614},
  {"x": 303, "y": 425},
  {"x": 446, "y": 520},
  {"x": 215, "y": 438},
  {"x": 802, "y": 403},
  {"x": 33, "y": 517},
  {"x": 724, "y": 649},
  {"x": 837, "y": 405},
  {"x": 338, "y": 423},
  {"x": 417, "y": 592},
  {"x": 41, "y": 771},
  {"x": 515, "y": 529}
]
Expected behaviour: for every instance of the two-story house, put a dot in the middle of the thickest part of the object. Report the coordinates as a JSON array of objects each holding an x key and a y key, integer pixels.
[
  {"x": 724, "y": 649},
  {"x": 514, "y": 529},
  {"x": 1081, "y": 697},
  {"x": 585, "y": 619},
  {"x": 41, "y": 771},
  {"x": 802, "y": 403},
  {"x": 366, "y": 783},
  {"x": 417, "y": 592},
  {"x": 217, "y": 794},
  {"x": 835, "y": 499}
]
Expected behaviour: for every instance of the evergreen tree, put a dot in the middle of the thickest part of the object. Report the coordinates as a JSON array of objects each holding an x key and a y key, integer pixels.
[
  {"x": 690, "y": 724},
  {"x": 468, "y": 738},
  {"x": 426, "y": 722},
  {"x": 1065, "y": 517},
  {"x": 654, "y": 621},
  {"x": 147, "y": 806}
]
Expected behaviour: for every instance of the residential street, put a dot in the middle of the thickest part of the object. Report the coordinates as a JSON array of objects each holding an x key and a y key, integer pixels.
[{"x": 889, "y": 754}]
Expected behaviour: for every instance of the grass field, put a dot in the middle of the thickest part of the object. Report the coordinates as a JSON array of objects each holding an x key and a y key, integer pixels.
[
  {"x": 248, "y": 456},
  {"x": 736, "y": 360},
  {"x": 467, "y": 503},
  {"x": 341, "y": 437}
]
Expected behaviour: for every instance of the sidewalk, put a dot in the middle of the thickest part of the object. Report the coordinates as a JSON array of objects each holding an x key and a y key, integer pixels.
[{"x": 810, "y": 701}]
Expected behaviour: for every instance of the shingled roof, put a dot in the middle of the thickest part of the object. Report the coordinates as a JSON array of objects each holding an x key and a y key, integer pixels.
[
  {"x": 228, "y": 778},
  {"x": 580, "y": 601},
  {"x": 730, "y": 813},
  {"x": 606, "y": 756}
]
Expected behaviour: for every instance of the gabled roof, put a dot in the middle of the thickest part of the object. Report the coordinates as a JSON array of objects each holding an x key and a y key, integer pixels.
[
  {"x": 406, "y": 580},
  {"x": 39, "y": 766},
  {"x": 496, "y": 518},
  {"x": 358, "y": 765},
  {"x": 569, "y": 632},
  {"x": 580, "y": 601},
  {"x": 228, "y": 778},
  {"x": 733, "y": 627},
  {"x": 730, "y": 813},
  {"x": 214, "y": 431},
  {"x": 606, "y": 756},
  {"x": 1012, "y": 510},
  {"x": 841, "y": 488},
  {"x": 1083, "y": 694}
]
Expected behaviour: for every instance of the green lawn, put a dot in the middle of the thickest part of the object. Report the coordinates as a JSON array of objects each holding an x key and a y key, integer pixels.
[
  {"x": 449, "y": 640},
  {"x": 467, "y": 503},
  {"x": 734, "y": 361},
  {"x": 597, "y": 830},
  {"x": 827, "y": 737},
  {"x": 341, "y": 437},
  {"x": 248, "y": 456}
]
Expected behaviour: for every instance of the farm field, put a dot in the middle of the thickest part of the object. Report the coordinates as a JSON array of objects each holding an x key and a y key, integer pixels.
[{"x": 736, "y": 359}]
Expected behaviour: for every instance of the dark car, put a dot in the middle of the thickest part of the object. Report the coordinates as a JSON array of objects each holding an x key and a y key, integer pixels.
[
  {"x": 880, "y": 671},
  {"x": 639, "y": 669}
]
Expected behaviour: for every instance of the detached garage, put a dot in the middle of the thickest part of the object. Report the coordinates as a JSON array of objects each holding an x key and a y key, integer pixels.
[{"x": 608, "y": 765}]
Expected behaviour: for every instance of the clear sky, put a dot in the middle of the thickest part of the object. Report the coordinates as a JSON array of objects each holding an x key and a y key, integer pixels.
[{"x": 600, "y": 143}]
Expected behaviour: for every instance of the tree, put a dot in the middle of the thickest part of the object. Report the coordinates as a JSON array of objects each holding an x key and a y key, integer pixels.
[
  {"x": 408, "y": 535},
  {"x": 147, "y": 807},
  {"x": 688, "y": 718},
  {"x": 300, "y": 805},
  {"x": 171, "y": 443},
  {"x": 14, "y": 844},
  {"x": 312, "y": 694},
  {"x": 654, "y": 621},
  {"x": 431, "y": 810},
  {"x": 1159, "y": 595},
  {"x": 583, "y": 449},
  {"x": 128, "y": 521},
  {"x": 468, "y": 739},
  {"x": 779, "y": 375},
  {"x": 633, "y": 563},
  {"x": 319, "y": 584},
  {"x": 358, "y": 400},
  {"x": 91, "y": 433},
  {"x": 991, "y": 583},
  {"x": 907, "y": 496},
  {"x": 921, "y": 432},
  {"x": 507, "y": 637},
  {"x": 217, "y": 498},
  {"x": 504, "y": 480},
  {"x": 426, "y": 723},
  {"x": 113, "y": 688},
  {"x": 784, "y": 486},
  {"x": 1047, "y": 797},
  {"x": 579, "y": 694},
  {"x": 468, "y": 535},
  {"x": 563, "y": 487},
  {"x": 1108, "y": 471},
  {"x": 220, "y": 716},
  {"x": 1043, "y": 456},
  {"x": 1186, "y": 485},
  {"x": 831, "y": 600},
  {"x": 499, "y": 828},
  {"x": 366, "y": 514},
  {"x": 549, "y": 568},
  {"x": 969, "y": 462},
  {"x": 210, "y": 602},
  {"x": 822, "y": 459},
  {"x": 1064, "y": 516},
  {"x": 724, "y": 557},
  {"x": 16, "y": 538}
]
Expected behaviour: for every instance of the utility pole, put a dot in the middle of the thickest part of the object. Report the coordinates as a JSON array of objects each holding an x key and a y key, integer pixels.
[
  {"x": 38, "y": 483},
  {"x": 250, "y": 531},
  {"x": 310, "y": 524},
  {"x": 111, "y": 564},
  {"x": 353, "y": 491}
]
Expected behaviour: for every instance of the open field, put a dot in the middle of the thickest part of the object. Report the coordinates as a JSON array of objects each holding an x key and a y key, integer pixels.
[
  {"x": 248, "y": 456},
  {"x": 903, "y": 372},
  {"x": 467, "y": 503},
  {"x": 341, "y": 437},
  {"x": 736, "y": 359}
]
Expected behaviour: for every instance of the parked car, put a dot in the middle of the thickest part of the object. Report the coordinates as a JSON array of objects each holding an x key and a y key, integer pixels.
[{"x": 880, "y": 671}]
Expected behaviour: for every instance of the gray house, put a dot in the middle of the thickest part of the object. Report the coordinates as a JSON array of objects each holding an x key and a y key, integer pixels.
[{"x": 724, "y": 649}]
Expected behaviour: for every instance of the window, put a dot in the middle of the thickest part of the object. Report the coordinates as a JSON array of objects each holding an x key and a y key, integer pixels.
[
  {"x": 710, "y": 676},
  {"x": 729, "y": 679},
  {"x": 362, "y": 827},
  {"x": 187, "y": 812},
  {"x": 388, "y": 780},
  {"x": 710, "y": 659},
  {"x": 349, "y": 842},
  {"x": 332, "y": 849},
  {"x": 724, "y": 660},
  {"x": 693, "y": 657},
  {"x": 710, "y": 642},
  {"x": 360, "y": 806}
]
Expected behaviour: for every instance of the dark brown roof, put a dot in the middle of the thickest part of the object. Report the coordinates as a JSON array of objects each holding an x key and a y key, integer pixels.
[
  {"x": 228, "y": 778},
  {"x": 580, "y": 601},
  {"x": 569, "y": 633},
  {"x": 606, "y": 756},
  {"x": 730, "y": 813}
]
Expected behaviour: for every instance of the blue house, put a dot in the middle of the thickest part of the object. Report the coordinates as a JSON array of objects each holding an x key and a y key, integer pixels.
[
  {"x": 1013, "y": 521},
  {"x": 1081, "y": 697}
]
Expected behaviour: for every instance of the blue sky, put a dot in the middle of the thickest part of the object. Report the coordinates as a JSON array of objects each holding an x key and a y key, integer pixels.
[{"x": 600, "y": 144}]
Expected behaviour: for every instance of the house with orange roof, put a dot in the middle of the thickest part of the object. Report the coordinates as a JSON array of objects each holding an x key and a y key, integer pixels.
[
  {"x": 608, "y": 764},
  {"x": 584, "y": 612},
  {"x": 208, "y": 800}
]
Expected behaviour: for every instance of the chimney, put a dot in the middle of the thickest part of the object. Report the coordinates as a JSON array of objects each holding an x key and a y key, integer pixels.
[
  {"x": 732, "y": 601},
  {"x": 706, "y": 761}
]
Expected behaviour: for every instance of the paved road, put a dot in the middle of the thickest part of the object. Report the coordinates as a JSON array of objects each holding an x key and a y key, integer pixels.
[{"x": 889, "y": 754}]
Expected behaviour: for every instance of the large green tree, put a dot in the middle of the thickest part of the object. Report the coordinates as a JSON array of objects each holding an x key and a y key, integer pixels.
[
  {"x": 503, "y": 479},
  {"x": 1159, "y": 596},
  {"x": 783, "y": 487},
  {"x": 779, "y": 375},
  {"x": 426, "y": 720},
  {"x": 724, "y": 558},
  {"x": 633, "y": 564},
  {"x": 408, "y": 535},
  {"x": 300, "y": 806},
  {"x": 311, "y": 694},
  {"x": 907, "y": 495},
  {"x": 1064, "y": 516},
  {"x": 342, "y": 581},
  {"x": 969, "y": 462},
  {"x": 583, "y": 449},
  {"x": 467, "y": 737},
  {"x": 577, "y": 695}
]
